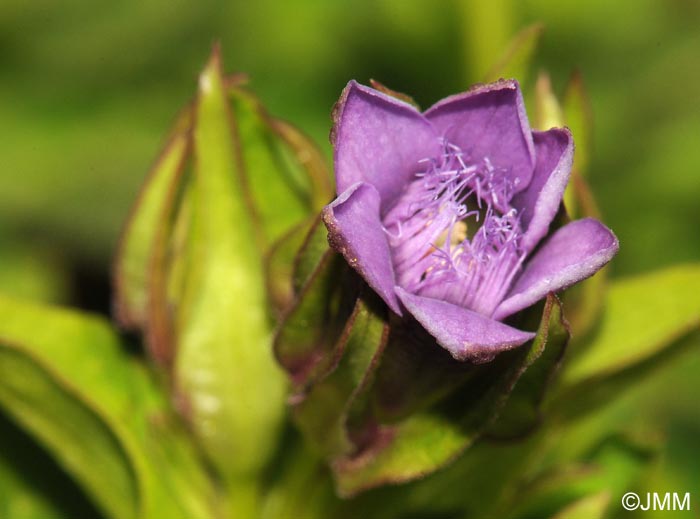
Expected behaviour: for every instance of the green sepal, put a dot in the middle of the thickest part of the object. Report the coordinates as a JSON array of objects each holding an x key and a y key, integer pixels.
[
  {"x": 310, "y": 255},
  {"x": 323, "y": 412},
  {"x": 522, "y": 410},
  {"x": 306, "y": 340},
  {"x": 426, "y": 439}
]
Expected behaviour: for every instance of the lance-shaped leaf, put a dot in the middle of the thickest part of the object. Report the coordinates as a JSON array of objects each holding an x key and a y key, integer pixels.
[
  {"x": 70, "y": 384},
  {"x": 430, "y": 438},
  {"x": 277, "y": 191},
  {"x": 647, "y": 318},
  {"x": 231, "y": 390},
  {"x": 132, "y": 267}
]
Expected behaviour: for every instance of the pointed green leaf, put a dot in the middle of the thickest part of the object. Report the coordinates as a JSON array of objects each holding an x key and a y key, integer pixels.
[
  {"x": 278, "y": 194},
  {"x": 646, "y": 318},
  {"x": 71, "y": 386},
  {"x": 169, "y": 264},
  {"x": 231, "y": 389},
  {"x": 133, "y": 261},
  {"x": 515, "y": 61}
]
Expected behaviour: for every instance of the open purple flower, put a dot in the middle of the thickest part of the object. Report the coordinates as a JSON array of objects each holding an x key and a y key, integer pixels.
[{"x": 442, "y": 212}]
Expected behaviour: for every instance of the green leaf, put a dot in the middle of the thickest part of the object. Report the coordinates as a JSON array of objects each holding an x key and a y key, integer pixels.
[
  {"x": 231, "y": 389},
  {"x": 522, "y": 411},
  {"x": 69, "y": 383},
  {"x": 646, "y": 318},
  {"x": 277, "y": 193},
  {"x": 515, "y": 61},
  {"x": 430, "y": 438},
  {"x": 133, "y": 263}
]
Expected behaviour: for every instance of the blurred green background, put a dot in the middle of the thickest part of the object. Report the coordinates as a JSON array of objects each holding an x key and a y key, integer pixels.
[{"x": 89, "y": 89}]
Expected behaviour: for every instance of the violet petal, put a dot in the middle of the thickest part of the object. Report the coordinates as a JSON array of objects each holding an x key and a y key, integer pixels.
[
  {"x": 574, "y": 252},
  {"x": 538, "y": 204},
  {"x": 489, "y": 121},
  {"x": 465, "y": 334},
  {"x": 355, "y": 230},
  {"x": 379, "y": 140}
]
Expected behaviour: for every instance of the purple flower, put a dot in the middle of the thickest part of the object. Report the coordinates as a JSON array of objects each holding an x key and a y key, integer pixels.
[{"x": 445, "y": 213}]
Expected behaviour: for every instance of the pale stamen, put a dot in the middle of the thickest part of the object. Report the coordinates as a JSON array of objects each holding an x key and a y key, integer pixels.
[{"x": 429, "y": 233}]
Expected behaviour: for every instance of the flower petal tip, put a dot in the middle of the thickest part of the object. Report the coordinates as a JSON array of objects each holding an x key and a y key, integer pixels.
[{"x": 466, "y": 335}]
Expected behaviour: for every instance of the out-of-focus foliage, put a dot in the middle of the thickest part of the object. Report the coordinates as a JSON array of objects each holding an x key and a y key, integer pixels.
[
  {"x": 68, "y": 381},
  {"x": 87, "y": 92}
]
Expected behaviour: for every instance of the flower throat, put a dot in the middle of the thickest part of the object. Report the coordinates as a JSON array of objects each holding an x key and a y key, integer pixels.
[{"x": 454, "y": 235}]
